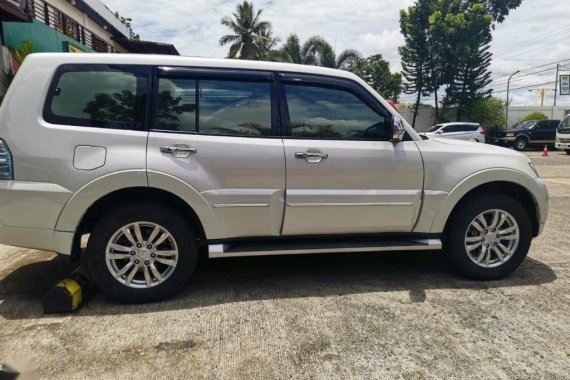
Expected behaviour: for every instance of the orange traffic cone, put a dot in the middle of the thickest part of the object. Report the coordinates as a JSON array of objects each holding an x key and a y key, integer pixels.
[{"x": 545, "y": 151}]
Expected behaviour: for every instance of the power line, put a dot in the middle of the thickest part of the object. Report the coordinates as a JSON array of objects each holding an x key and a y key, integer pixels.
[
  {"x": 536, "y": 39},
  {"x": 521, "y": 88},
  {"x": 531, "y": 68},
  {"x": 523, "y": 77}
]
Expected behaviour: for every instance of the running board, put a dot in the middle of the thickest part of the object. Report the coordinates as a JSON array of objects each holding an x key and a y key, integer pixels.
[{"x": 252, "y": 248}]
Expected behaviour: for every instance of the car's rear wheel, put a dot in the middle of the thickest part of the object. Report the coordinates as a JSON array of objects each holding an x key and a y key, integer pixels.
[
  {"x": 521, "y": 143},
  {"x": 488, "y": 237},
  {"x": 142, "y": 253}
]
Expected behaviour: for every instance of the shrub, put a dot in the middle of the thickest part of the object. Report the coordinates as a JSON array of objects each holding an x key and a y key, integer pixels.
[{"x": 532, "y": 116}]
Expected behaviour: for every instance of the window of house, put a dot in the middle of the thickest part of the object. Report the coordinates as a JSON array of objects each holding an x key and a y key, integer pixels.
[
  {"x": 324, "y": 112},
  {"x": 98, "y": 96}
]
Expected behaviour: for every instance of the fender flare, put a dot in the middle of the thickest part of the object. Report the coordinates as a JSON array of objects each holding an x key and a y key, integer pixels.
[
  {"x": 76, "y": 207},
  {"x": 535, "y": 188}
]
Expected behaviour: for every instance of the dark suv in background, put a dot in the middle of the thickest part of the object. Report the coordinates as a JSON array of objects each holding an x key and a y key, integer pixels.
[{"x": 528, "y": 133}]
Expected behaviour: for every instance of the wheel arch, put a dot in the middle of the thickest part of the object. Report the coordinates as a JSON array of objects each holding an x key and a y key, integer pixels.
[
  {"x": 91, "y": 201},
  {"x": 509, "y": 182}
]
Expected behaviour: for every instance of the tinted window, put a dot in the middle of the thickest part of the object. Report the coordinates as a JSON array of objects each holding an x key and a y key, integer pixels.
[
  {"x": 235, "y": 108},
  {"x": 319, "y": 112},
  {"x": 98, "y": 96},
  {"x": 434, "y": 128},
  {"x": 219, "y": 107},
  {"x": 471, "y": 128},
  {"x": 451, "y": 128},
  {"x": 176, "y": 105}
]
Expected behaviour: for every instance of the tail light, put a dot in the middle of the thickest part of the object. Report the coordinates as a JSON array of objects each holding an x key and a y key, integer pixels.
[
  {"x": 6, "y": 167},
  {"x": 482, "y": 131}
]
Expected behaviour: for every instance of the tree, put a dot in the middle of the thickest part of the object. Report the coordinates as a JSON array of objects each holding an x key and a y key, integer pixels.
[
  {"x": 251, "y": 38},
  {"x": 293, "y": 52},
  {"x": 327, "y": 57},
  {"x": 488, "y": 110},
  {"x": 375, "y": 70},
  {"x": 447, "y": 46},
  {"x": 462, "y": 32},
  {"x": 416, "y": 64}
]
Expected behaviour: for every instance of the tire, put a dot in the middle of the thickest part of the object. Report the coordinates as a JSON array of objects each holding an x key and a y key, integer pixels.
[
  {"x": 520, "y": 144},
  {"x": 169, "y": 264},
  {"x": 567, "y": 151},
  {"x": 460, "y": 229}
]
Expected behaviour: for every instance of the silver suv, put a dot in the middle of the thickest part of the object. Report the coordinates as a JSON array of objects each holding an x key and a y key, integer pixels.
[{"x": 153, "y": 159}]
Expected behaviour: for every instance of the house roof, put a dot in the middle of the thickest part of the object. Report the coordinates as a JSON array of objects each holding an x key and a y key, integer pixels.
[{"x": 147, "y": 47}]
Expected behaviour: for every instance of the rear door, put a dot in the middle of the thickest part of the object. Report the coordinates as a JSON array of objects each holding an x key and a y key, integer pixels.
[
  {"x": 343, "y": 173},
  {"x": 218, "y": 131}
]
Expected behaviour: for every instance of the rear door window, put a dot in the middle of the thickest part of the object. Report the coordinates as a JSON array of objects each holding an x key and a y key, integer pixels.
[
  {"x": 102, "y": 96},
  {"x": 212, "y": 106}
]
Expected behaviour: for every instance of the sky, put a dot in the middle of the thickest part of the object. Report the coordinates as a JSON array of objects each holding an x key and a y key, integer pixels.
[{"x": 535, "y": 34}]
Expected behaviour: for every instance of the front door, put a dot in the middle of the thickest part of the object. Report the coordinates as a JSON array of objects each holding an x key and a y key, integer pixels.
[
  {"x": 216, "y": 131},
  {"x": 343, "y": 173}
]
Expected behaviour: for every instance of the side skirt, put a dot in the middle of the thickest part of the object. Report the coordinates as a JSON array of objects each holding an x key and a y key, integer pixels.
[{"x": 321, "y": 244}]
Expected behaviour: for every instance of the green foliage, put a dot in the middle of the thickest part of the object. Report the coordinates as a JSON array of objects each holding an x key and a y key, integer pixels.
[
  {"x": 6, "y": 77},
  {"x": 293, "y": 52},
  {"x": 532, "y": 116},
  {"x": 375, "y": 70},
  {"x": 488, "y": 110},
  {"x": 327, "y": 57},
  {"x": 252, "y": 38},
  {"x": 447, "y": 47},
  {"x": 417, "y": 64},
  {"x": 315, "y": 51}
]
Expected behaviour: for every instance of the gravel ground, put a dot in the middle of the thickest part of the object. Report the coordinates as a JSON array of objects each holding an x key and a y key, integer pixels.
[{"x": 315, "y": 317}]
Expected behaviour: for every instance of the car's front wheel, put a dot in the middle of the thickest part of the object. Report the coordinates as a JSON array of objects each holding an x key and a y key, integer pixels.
[
  {"x": 567, "y": 151},
  {"x": 488, "y": 237},
  {"x": 142, "y": 253},
  {"x": 521, "y": 143}
]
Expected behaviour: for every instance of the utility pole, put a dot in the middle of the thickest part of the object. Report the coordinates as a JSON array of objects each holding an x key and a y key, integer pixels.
[
  {"x": 507, "y": 105},
  {"x": 556, "y": 85},
  {"x": 541, "y": 92}
]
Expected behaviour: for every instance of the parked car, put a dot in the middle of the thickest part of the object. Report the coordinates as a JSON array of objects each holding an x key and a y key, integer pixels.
[
  {"x": 563, "y": 135},
  {"x": 458, "y": 130},
  {"x": 531, "y": 132},
  {"x": 155, "y": 159}
]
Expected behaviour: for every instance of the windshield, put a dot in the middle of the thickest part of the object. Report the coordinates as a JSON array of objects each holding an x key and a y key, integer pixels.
[
  {"x": 527, "y": 124},
  {"x": 434, "y": 128},
  {"x": 565, "y": 124}
]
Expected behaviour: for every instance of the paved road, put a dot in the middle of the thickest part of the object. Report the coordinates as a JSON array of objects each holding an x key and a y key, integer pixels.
[{"x": 318, "y": 317}]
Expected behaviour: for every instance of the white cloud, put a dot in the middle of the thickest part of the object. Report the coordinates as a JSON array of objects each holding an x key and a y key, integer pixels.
[{"x": 369, "y": 26}]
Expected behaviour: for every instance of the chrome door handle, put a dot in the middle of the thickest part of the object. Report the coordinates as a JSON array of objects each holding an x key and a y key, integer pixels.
[
  {"x": 179, "y": 150},
  {"x": 312, "y": 155}
]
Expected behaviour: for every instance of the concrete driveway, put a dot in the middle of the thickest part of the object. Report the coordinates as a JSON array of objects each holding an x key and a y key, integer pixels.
[{"x": 311, "y": 317}]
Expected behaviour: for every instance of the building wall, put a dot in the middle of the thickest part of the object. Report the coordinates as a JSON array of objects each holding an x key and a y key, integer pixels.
[
  {"x": 555, "y": 113},
  {"x": 425, "y": 118},
  {"x": 44, "y": 38},
  {"x": 82, "y": 19}
]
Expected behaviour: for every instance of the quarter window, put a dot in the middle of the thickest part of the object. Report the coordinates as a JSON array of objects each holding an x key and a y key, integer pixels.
[
  {"x": 323, "y": 112},
  {"x": 223, "y": 107},
  {"x": 100, "y": 96}
]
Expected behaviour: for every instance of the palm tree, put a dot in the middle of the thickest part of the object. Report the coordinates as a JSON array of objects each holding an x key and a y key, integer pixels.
[
  {"x": 327, "y": 57},
  {"x": 293, "y": 52},
  {"x": 251, "y": 38}
]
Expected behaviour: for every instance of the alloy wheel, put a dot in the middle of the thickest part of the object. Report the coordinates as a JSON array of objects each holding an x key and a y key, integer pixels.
[
  {"x": 492, "y": 238},
  {"x": 141, "y": 255}
]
